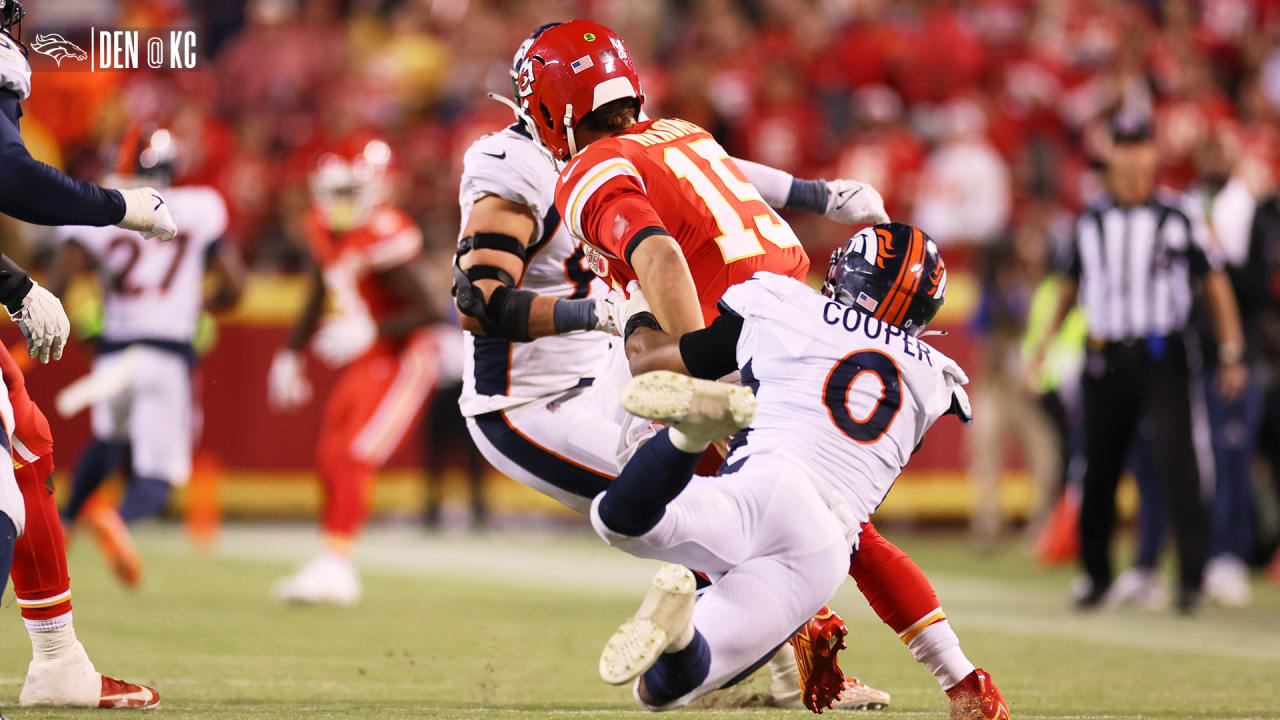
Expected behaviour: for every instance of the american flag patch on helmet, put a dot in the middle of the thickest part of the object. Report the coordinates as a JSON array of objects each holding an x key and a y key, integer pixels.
[
  {"x": 866, "y": 302},
  {"x": 581, "y": 64}
]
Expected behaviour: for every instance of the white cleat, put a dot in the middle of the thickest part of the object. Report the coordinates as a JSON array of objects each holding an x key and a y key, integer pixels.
[
  {"x": 1140, "y": 588},
  {"x": 69, "y": 680},
  {"x": 704, "y": 410},
  {"x": 663, "y": 623},
  {"x": 328, "y": 579},
  {"x": 1226, "y": 581}
]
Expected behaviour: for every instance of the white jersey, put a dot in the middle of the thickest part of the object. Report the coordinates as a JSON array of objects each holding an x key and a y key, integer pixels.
[
  {"x": 839, "y": 393},
  {"x": 15, "y": 71},
  {"x": 154, "y": 290},
  {"x": 499, "y": 374}
]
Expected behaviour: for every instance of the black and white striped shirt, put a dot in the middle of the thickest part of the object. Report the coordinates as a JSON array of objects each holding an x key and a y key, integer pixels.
[{"x": 1137, "y": 265}]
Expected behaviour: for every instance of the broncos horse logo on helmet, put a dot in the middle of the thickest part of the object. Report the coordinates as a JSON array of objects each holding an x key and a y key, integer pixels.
[{"x": 892, "y": 271}]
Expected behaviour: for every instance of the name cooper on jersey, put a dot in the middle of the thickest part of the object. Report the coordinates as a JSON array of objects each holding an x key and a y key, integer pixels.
[{"x": 853, "y": 319}]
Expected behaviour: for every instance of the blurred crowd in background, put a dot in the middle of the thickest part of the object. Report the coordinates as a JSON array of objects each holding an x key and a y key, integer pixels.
[{"x": 982, "y": 121}]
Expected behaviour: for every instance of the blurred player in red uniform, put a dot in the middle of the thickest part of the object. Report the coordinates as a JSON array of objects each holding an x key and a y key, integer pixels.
[
  {"x": 368, "y": 266},
  {"x": 60, "y": 673},
  {"x": 644, "y": 198}
]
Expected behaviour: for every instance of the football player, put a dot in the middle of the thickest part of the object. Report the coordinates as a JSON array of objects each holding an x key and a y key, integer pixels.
[
  {"x": 60, "y": 673},
  {"x": 661, "y": 204},
  {"x": 546, "y": 412},
  {"x": 838, "y": 391},
  {"x": 368, "y": 262},
  {"x": 140, "y": 388}
]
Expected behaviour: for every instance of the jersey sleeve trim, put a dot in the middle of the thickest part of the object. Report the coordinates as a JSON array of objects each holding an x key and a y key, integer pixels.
[
  {"x": 643, "y": 234},
  {"x": 592, "y": 180}
]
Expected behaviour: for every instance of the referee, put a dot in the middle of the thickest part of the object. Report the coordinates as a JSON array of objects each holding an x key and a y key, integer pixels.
[{"x": 1137, "y": 257}]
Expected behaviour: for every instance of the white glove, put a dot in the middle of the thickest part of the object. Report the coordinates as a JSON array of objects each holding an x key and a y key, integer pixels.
[
  {"x": 146, "y": 211},
  {"x": 340, "y": 341},
  {"x": 854, "y": 203},
  {"x": 287, "y": 385},
  {"x": 622, "y": 308},
  {"x": 44, "y": 323}
]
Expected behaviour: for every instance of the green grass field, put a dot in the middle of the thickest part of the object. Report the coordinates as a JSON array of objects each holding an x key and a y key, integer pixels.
[{"x": 510, "y": 626}]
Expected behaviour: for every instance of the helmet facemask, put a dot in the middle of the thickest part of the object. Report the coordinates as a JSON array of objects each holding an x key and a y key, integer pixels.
[{"x": 11, "y": 16}]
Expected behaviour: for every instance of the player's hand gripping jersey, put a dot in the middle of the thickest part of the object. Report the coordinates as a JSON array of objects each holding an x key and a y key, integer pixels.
[
  {"x": 154, "y": 290},
  {"x": 351, "y": 261},
  {"x": 839, "y": 393},
  {"x": 501, "y": 374},
  {"x": 671, "y": 177}
]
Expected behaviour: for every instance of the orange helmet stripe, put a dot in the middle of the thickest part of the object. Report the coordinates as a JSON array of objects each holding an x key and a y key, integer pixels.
[
  {"x": 915, "y": 259},
  {"x": 904, "y": 287}
]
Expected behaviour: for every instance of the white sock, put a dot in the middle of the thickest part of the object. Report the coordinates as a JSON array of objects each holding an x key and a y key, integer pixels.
[
  {"x": 53, "y": 642},
  {"x": 938, "y": 648},
  {"x": 684, "y": 443}
]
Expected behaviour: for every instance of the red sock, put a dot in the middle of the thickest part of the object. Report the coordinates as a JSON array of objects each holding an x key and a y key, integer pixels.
[
  {"x": 40, "y": 579},
  {"x": 895, "y": 586}
]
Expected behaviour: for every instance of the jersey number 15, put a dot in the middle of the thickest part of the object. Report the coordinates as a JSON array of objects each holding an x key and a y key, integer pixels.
[{"x": 743, "y": 216}]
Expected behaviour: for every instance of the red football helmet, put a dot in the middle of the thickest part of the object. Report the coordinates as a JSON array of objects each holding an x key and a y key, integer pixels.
[
  {"x": 350, "y": 180},
  {"x": 570, "y": 70}
]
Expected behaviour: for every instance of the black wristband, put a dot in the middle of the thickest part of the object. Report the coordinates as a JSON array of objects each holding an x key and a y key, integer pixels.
[
  {"x": 639, "y": 320},
  {"x": 811, "y": 195},
  {"x": 570, "y": 315},
  {"x": 15, "y": 283},
  {"x": 508, "y": 313}
]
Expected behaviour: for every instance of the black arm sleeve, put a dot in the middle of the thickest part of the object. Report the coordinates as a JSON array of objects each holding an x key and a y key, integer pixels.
[
  {"x": 712, "y": 352},
  {"x": 36, "y": 193}
]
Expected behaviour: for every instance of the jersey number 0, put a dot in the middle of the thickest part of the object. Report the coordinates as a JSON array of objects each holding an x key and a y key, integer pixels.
[{"x": 835, "y": 394}]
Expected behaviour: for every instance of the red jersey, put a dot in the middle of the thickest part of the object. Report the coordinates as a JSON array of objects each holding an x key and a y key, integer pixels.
[
  {"x": 32, "y": 437},
  {"x": 352, "y": 261},
  {"x": 671, "y": 177}
]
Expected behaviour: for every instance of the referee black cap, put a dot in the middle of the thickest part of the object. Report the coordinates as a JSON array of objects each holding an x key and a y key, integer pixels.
[{"x": 1130, "y": 127}]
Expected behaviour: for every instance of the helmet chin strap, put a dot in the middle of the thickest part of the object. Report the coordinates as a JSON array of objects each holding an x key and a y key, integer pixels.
[{"x": 568, "y": 130}]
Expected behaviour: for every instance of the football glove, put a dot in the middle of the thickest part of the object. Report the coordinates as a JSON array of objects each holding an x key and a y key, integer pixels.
[
  {"x": 854, "y": 203},
  {"x": 287, "y": 384},
  {"x": 623, "y": 306},
  {"x": 44, "y": 323},
  {"x": 340, "y": 341},
  {"x": 146, "y": 211}
]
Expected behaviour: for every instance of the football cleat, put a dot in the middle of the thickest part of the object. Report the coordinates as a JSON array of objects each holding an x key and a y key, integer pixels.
[
  {"x": 1226, "y": 581},
  {"x": 976, "y": 697},
  {"x": 1138, "y": 587},
  {"x": 816, "y": 647},
  {"x": 328, "y": 579},
  {"x": 703, "y": 410},
  {"x": 121, "y": 695},
  {"x": 857, "y": 695},
  {"x": 116, "y": 544},
  {"x": 70, "y": 680},
  {"x": 784, "y": 688},
  {"x": 664, "y": 620}
]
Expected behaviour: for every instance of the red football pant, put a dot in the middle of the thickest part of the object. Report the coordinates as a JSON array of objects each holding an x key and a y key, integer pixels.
[
  {"x": 40, "y": 579},
  {"x": 894, "y": 585},
  {"x": 377, "y": 400}
]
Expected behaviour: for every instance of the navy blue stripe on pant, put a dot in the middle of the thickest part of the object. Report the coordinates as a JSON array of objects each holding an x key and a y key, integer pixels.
[{"x": 539, "y": 461}]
